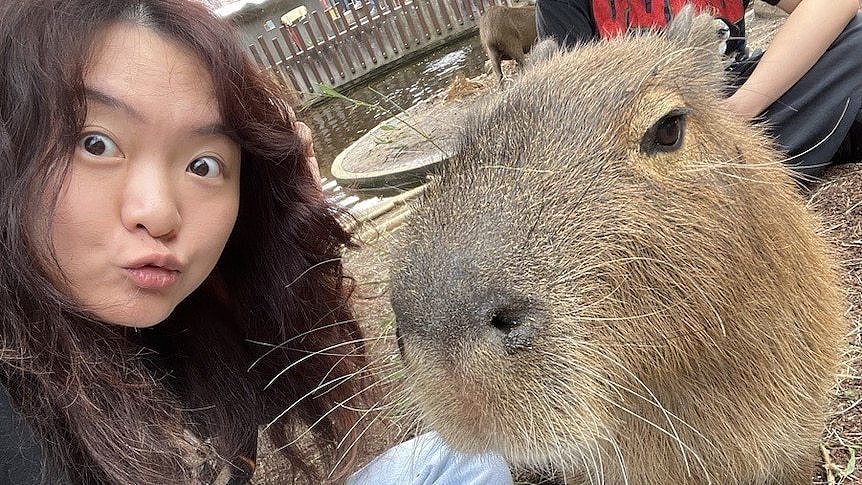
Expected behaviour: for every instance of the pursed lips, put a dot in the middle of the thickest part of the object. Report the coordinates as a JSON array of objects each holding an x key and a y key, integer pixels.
[{"x": 154, "y": 271}]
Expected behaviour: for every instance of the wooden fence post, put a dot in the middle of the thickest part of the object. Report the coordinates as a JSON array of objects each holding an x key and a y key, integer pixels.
[
  {"x": 375, "y": 32},
  {"x": 457, "y": 10},
  {"x": 288, "y": 39},
  {"x": 363, "y": 37},
  {"x": 330, "y": 46},
  {"x": 433, "y": 16},
  {"x": 390, "y": 4},
  {"x": 348, "y": 35},
  {"x": 273, "y": 65},
  {"x": 384, "y": 23},
  {"x": 342, "y": 48},
  {"x": 406, "y": 13},
  {"x": 417, "y": 5},
  {"x": 444, "y": 14},
  {"x": 315, "y": 51},
  {"x": 285, "y": 64}
]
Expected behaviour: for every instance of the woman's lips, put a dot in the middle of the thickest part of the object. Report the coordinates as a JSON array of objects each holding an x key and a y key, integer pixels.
[{"x": 152, "y": 277}]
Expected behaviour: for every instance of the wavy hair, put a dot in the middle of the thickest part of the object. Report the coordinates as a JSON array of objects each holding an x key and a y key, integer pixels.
[{"x": 116, "y": 405}]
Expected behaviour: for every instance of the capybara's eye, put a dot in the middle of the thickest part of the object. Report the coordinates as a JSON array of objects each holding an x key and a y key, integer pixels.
[
  {"x": 666, "y": 134},
  {"x": 669, "y": 131}
]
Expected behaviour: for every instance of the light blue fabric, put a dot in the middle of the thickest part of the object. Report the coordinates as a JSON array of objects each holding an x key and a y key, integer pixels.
[{"x": 426, "y": 460}]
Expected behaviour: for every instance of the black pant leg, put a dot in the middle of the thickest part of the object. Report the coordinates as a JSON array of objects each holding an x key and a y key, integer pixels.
[{"x": 812, "y": 119}]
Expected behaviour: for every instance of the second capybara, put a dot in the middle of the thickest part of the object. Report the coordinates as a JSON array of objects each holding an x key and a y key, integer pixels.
[
  {"x": 507, "y": 33},
  {"x": 615, "y": 278}
]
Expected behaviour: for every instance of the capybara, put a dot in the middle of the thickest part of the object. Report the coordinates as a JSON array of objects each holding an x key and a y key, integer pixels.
[
  {"x": 616, "y": 279},
  {"x": 507, "y": 33}
]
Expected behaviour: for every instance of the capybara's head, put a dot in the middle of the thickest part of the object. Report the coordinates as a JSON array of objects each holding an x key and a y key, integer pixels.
[{"x": 615, "y": 277}]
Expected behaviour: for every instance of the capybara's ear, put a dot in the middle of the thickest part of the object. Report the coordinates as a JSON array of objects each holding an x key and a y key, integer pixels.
[
  {"x": 695, "y": 30},
  {"x": 542, "y": 53}
]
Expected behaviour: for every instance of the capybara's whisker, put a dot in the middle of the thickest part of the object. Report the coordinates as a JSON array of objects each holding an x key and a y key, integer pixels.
[
  {"x": 310, "y": 268},
  {"x": 274, "y": 347},
  {"x": 364, "y": 414},
  {"x": 822, "y": 140},
  {"x": 618, "y": 452},
  {"x": 620, "y": 387},
  {"x": 311, "y": 353},
  {"x": 337, "y": 380},
  {"x": 683, "y": 446},
  {"x": 317, "y": 352},
  {"x": 335, "y": 407},
  {"x": 371, "y": 409},
  {"x": 355, "y": 352},
  {"x": 669, "y": 417},
  {"x": 357, "y": 438}
]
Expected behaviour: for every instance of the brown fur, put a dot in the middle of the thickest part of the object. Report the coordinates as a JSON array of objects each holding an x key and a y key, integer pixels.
[
  {"x": 575, "y": 303},
  {"x": 507, "y": 33}
]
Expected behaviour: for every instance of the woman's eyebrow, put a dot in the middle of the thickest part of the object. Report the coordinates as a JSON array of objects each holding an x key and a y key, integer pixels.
[
  {"x": 93, "y": 94},
  {"x": 211, "y": 129},
  {"x": 112, "y": 102}
]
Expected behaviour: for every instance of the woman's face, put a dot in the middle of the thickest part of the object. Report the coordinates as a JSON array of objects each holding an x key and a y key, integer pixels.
[{"x": 153, "y": 188}]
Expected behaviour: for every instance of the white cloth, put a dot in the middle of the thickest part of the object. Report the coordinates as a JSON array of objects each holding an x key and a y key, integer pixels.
[{"x": 427, "y": 460}]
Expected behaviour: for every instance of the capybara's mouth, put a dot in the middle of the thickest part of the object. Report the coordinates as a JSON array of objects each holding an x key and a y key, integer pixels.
[
  {"x": 483, "y": 397},
  {"x": 458, "y": 409}
]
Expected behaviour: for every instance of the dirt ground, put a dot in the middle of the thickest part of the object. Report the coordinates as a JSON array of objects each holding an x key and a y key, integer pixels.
[{"x": 838, "y": 199}]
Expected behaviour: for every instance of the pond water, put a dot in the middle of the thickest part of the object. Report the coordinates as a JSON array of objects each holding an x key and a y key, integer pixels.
[{"x": 337, "y": 123}]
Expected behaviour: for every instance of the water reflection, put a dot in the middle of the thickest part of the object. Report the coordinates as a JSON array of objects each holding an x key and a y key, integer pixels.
[
  {"x": 447, "y": 64},
  {"x": 336, "y": 124}
]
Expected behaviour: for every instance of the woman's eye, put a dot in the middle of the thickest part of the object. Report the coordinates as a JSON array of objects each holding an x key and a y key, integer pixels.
[
  {"x": 205, "y": 167},
  {"x": 99, "y": 145}
]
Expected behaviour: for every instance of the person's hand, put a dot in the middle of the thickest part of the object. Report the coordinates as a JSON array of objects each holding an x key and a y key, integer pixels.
[
  {"x": 745, "y": 105},
  {"x": 307, "y": 145},
  {"x": 304, "y": 133}
]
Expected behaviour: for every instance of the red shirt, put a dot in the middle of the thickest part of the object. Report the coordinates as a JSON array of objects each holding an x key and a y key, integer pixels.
[{"x": 614, "y": 17}]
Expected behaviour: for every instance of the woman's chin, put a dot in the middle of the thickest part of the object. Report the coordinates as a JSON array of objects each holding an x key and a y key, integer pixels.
[{"x": 135, "y": 316}]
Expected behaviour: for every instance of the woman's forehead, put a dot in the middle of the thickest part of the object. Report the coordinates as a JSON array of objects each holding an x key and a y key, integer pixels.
[{"x": 148, "y": 75}]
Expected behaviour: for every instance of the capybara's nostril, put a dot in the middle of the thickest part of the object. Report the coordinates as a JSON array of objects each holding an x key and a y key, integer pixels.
[
  {"x": 517, "y": 330},
  {"x": 503, "y": 322}
]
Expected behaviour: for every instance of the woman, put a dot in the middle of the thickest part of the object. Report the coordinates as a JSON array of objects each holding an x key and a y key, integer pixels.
[
  {"x": 140, "y": 273},
  {"x": 807, "y": 86}
]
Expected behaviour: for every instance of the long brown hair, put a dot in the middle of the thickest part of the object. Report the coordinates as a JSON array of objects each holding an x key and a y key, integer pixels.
[{"x": 113, "y": 405}]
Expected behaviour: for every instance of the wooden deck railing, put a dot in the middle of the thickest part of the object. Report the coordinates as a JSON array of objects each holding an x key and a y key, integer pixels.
[{"x": 338, "y": 47}]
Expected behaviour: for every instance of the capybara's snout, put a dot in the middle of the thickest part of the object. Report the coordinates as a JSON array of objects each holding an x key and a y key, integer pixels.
[{"x": 469, "y": 311}]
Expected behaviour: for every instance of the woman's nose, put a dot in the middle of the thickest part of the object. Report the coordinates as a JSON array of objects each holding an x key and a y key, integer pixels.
[{"x": 149, "y": 203}]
